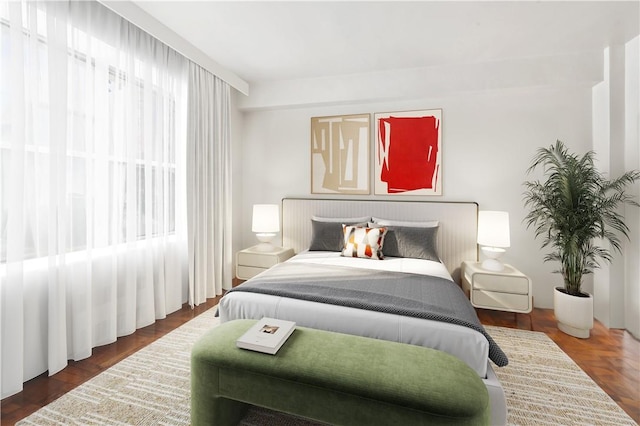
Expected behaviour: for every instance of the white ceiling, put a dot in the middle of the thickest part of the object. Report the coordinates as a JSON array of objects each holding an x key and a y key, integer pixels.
[{"x": 272, "y": 40}]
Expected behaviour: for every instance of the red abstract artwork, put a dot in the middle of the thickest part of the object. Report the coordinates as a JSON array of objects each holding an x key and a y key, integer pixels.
[{"x": 408, "y": 153}]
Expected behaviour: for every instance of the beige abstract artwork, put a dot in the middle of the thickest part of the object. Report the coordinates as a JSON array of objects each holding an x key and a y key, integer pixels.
[{"x": 340, "y": 154}]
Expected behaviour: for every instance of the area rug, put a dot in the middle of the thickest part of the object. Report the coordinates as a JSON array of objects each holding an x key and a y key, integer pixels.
[
  {"x": 151, "y": 387},
  {"x": 544, "y": 386}
]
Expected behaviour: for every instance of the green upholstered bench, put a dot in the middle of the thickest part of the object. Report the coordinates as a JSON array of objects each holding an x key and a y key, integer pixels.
[{"x": 334, "y": 378}]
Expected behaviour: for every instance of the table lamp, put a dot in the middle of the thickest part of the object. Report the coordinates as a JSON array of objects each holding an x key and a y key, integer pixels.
[
  {"x": 493, "y": 236},
  {"x": 266, "y": 224}
]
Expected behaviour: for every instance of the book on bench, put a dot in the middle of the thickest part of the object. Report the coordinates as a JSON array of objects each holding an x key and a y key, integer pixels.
[{"x": 267, "y": 335}]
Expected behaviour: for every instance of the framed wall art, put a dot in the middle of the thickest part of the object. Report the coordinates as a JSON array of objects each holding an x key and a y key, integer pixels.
[
  {"x": 408, "y": 153},
  {"x": 340, "y": 154}
]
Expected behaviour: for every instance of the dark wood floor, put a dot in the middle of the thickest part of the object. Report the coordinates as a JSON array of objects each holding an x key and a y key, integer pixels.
[{"x": 610, "y": 357}]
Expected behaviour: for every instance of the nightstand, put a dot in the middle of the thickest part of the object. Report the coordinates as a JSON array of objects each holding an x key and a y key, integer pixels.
[
  {"x": 507, "y": 290},
  {"x": 250, "y": 262}
]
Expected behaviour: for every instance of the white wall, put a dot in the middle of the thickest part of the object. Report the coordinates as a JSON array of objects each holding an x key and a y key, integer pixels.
[
  {"x": 616, "y": 140},
  {"x": 237, "y": 157},
  {"x": 601, "y": 111},
  {"x": 489, "y": 138},
  {"x": 632, "y": 161}
]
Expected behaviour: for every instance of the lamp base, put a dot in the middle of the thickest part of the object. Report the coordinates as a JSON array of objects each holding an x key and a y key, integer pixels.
[
  {"x": 265, "y": 239},
  {"x": 493, "y": 265}
]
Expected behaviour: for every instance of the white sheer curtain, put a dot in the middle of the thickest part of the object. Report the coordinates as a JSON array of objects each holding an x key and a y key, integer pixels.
[
  {"x": 92, "y": 156},
  {"x": 209, "y": 183}
]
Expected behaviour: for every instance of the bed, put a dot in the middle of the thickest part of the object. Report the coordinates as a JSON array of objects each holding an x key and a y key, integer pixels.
[{"x": 321, "y": 288}]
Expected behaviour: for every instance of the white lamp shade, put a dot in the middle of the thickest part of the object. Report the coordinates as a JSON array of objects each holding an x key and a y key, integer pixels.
[
  {"x": 266, "y": 218},
  {"x": 493, "y": 229}
]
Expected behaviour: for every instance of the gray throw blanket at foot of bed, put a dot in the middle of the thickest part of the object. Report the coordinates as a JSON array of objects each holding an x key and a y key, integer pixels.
[{"x": 414, "y": 295}]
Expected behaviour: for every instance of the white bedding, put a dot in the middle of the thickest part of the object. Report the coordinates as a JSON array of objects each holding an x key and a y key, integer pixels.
[
  {"x": 462, "y": 342},
  {"x": 396, "y": 264}
]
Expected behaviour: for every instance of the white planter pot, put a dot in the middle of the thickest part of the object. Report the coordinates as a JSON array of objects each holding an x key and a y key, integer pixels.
[{"x": 574, "y": 314}]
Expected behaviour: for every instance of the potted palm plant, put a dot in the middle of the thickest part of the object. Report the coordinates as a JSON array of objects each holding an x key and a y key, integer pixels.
[{"x": 572, "y": 210}]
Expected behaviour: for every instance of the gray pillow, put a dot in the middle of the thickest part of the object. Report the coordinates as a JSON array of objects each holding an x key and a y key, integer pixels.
[
  {"x": 405, "y": 241},
  {"x": 328, "y": 235}
]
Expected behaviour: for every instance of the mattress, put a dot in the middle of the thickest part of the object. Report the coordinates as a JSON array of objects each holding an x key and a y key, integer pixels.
[{"x": 466, "y": 344}]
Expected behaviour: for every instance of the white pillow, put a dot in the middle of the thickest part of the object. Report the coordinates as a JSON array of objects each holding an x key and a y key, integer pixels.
[
  {"x": 391, "y": 222},
  {"x": 348, "y": 220}
]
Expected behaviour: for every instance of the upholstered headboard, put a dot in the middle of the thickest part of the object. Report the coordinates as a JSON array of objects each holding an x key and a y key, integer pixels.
[{"x": 456, "y": 236}]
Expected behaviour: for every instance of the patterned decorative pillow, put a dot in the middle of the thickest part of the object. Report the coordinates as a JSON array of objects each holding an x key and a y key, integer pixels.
[{"x": 363, "y": 242}]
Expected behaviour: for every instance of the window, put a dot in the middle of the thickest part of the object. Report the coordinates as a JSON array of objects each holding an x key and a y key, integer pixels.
[{"x": 94, "y": 155}]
